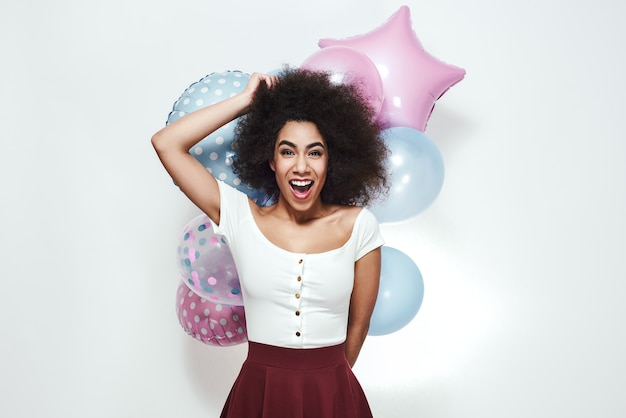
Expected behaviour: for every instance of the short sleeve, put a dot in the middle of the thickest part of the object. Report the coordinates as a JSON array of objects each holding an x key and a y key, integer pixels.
[
  {"x": 368, "y": 233},
  {"x": 234, "y": 208}
]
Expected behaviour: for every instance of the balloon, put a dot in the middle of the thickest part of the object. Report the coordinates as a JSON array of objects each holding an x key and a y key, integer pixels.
[
  {"x": 412, "y": 78},
  {"x": 214, "y": 151},
  {"x": 347, "y": 66},
  {"x": 212, "y": 323},
  {"x": 206, "y": 263},
  {"x": 400, "y": 293},
  {"x": 416, "y": 173},
  {"x": 277, "y": 71}
]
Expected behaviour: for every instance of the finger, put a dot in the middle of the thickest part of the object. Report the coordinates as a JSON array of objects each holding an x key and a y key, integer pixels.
[{"x": 271, "y": 80}]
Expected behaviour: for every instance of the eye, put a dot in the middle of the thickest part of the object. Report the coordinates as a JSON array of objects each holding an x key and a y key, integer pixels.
[
  {"x": 286, "y": 152},
  {"x": 316, "y": 153}
]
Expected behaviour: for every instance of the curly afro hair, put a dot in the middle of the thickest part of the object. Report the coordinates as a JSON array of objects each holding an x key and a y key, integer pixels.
[{"x": 356, "y": 173}]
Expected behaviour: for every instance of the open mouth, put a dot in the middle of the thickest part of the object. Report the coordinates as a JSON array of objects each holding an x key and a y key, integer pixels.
[{"x": 301, "y": 186}]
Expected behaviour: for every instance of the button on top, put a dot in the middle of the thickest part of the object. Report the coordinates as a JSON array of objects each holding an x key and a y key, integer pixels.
[{"x": 297, "y": 295}]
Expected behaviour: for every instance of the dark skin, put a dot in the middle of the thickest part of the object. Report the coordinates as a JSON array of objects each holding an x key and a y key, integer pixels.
[{"x": 300, "y": 221}]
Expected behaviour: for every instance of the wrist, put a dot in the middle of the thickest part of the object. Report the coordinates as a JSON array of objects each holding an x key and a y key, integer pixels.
[{"x": 243, "y": 101}]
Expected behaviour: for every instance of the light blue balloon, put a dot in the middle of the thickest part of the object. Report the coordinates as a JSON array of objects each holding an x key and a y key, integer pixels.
[
  {"x": 215, "y": 151},
  {"x": 400, "y": 293},
  {"x": 277, "y": 72},
  {"x": 416, "y": 173}
]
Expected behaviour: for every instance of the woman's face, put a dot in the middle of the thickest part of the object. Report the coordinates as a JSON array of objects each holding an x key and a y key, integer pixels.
[{"x": 300, "y": 163}]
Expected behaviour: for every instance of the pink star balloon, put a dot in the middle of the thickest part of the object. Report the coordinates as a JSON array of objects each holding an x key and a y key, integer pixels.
[{"x": 412, "y": 79}]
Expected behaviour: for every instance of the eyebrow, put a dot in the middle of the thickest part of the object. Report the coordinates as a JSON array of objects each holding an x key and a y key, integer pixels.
[{"x": 309, "y": 146}]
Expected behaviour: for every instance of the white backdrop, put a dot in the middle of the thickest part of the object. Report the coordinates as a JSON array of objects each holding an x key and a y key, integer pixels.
[{"x": 522, "y": 253}]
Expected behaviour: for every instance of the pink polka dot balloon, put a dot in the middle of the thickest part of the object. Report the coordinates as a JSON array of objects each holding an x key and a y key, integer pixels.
[
  {"x": 209, "y": 322},
  {"x": 206, "y": 263}
]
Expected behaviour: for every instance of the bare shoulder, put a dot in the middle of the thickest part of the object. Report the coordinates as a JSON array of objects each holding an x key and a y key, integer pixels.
[
  {"x": 344, "y": 217},
  {"x": 338, "y": 225}
]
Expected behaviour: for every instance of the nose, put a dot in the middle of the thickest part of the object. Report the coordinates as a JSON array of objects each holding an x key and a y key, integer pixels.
[{"x": 301, "y": 164}]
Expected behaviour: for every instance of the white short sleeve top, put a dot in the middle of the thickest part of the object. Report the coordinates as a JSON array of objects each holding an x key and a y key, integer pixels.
[{"x": 291, "y": 299}]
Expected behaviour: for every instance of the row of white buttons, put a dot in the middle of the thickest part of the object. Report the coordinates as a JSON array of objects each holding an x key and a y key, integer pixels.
[{"x": 298, "y": 295}]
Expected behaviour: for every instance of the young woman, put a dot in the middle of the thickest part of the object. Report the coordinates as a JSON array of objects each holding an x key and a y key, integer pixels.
[{"x": 309, "y": 264}]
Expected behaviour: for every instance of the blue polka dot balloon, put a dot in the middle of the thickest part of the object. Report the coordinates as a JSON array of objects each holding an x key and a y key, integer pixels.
[
  {"x": 215, "y": 151},
  {"x": 206, "y": 264}
]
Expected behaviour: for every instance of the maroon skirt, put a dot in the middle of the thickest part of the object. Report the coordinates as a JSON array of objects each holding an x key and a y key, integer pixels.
[{"x": 277, "y": 382}]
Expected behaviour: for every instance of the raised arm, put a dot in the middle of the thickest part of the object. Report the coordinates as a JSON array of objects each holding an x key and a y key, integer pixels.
[
  {"x": 172, "y": 144},
  {"x": 364, "y": 293}
]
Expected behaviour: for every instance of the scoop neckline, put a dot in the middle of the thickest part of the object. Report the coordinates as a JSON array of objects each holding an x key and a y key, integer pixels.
[{"x": 340, "y": 248}]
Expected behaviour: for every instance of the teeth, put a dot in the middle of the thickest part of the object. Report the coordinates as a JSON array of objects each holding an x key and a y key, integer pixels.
[{"x": 301, "y": 183}]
